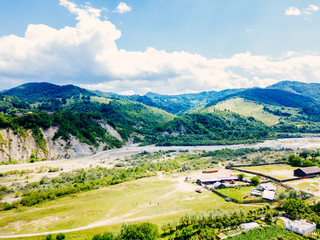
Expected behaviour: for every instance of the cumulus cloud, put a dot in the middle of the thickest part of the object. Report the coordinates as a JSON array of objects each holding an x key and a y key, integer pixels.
[
  {"x": 123, "y": 8},
  {"x": 294, "y": 11},
  {"x": 87, "y": 55}
]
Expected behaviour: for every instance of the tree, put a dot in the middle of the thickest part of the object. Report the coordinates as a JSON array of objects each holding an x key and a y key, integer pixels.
[
  {"x": 295, "y": 207},
  {"x": 143, "y": 231},
  {"x": 304, "y": 154},
  {"x": 60, "y": 236},
  {"x": 241, "y": 176},
  {"x": 164, "y": 227},
  {"x": 255, "y": 180},
  {"x": 186, "y": 232},
  {"x": 307, "y": 163},
  {"x": 49, "y": 237},
  {"x": 294, "y": 160},
  {"x": 315, "y": 154},
  {"x": 208, "y": 233},
  {"x": 105, "y": 236}
]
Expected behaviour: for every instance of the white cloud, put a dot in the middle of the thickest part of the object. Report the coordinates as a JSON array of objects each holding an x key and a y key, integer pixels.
[
  {"x": 87, "y": 54},
  {"x": 293, "y": 11},
  {"x": 123, "y": 8},
  {"x": 312, "y": 8}
]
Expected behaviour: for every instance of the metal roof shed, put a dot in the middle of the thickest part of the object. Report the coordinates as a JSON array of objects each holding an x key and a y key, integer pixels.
[{"x": 248, "y": 226}]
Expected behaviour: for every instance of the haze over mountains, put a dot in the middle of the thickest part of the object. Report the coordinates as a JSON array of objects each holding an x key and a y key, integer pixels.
[{"x": 73, "y": 121}]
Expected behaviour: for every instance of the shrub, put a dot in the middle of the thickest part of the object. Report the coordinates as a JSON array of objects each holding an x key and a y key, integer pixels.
[{"x": 60, "y": 236}]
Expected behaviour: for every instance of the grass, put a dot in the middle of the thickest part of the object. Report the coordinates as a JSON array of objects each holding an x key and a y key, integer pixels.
[
  {"x": 238, "y": 193},
  {"x": 127, "y": 202},
  {"x": 303, "y": 185},
  {"x": 248, "y": 108},
  {"x": 268, "y": 170},
  {"x": 100, "y": 99}
]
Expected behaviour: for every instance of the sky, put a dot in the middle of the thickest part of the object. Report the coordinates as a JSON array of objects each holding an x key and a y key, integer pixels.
[{"x": 162, "y": 46}]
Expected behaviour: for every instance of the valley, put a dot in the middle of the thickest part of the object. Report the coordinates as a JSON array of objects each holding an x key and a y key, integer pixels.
[
  {"x": 164, "y": 196},
  {"x": 82, "y": 163}
]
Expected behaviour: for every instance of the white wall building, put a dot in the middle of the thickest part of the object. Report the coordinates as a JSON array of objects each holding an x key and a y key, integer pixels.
[{"x": 300, "y": 226}]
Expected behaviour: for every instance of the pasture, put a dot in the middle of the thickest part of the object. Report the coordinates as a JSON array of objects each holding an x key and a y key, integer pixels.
[
  {"x": 154, "y": 199},
  {"x": 248, "y": 108}
]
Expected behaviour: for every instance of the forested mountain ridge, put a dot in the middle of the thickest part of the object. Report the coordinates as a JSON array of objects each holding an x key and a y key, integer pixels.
[
  {"x": 72, "y": 116},
  {"x": 45, "y": 92},
  {"x": 305, "y": 89}
]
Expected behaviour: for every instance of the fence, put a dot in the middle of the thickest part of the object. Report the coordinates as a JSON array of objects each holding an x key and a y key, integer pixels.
[
  {"x": 239, "y": 201},
  {"x": 278, "y": 181},
  {"x": 262, "y": 175}
]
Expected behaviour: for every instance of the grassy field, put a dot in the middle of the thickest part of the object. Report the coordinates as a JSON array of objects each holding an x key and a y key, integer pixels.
[
  {"x": 278, "y": 171},
  {"x": 152, "y": 199},
  {"x": 248, "y": 108},
  {"x": 306, "y": 184},
  {"x": 238, "y": 193}
]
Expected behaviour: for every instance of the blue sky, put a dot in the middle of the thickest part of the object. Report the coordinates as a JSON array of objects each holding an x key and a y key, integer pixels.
[{"x": 166, "y": 46}]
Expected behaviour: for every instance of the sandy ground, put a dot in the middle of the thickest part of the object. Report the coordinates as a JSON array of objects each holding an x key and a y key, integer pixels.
[{"x": 284, "y": 173}]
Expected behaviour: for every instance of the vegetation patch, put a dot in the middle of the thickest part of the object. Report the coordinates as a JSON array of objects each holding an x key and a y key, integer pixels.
[{"x": 268, "y": 233}]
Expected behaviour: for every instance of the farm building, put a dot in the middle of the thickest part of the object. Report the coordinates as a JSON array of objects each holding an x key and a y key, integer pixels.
[
  {"x": 268, "y": 195},
  {"x": 211, "y": 181},
  {"x": 267, "y": 186},
  {"x": 307, "y": 171},
  {"x": 218, "y": 185},
  {"x": 248, "y": 226},
  {"x": 255, "y": 192},
  {"x": 300, "y": 226}
]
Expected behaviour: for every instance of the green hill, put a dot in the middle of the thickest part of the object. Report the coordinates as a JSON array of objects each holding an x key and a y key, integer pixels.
[
  {"x": 276, "y": 97},
  {"x": 9, "y": 104},
  {"x": 218, "y": 127},
  {"x": 246, "y": 108},
  {"x": 46, "y": 92},
  {"x": 311, "y": 90}
]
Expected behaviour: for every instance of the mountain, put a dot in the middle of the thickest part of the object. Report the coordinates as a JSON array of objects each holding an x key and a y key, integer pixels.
[
  {"x": 276, "y": 97},
  {"x": 74, "y": 121},
  {"x": 311, "y": 90},
  {"x": 180, "y": 104},
  {"x": 46, "y": 92}
]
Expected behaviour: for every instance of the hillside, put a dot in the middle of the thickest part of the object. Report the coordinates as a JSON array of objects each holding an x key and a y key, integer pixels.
[
  {"x": 68, "y": 119},
  {"x": 9, "y": 104},
  {"x": 311, "y": 90},
  {"x": 276, "y": 97},
  {"x": 246, "y": 108},
  {"x": 218, "y": 127},
  {"x": 46, "y": 92},
  {"x": 179, "y": 104},
  {"x": 52, "y": 136}
]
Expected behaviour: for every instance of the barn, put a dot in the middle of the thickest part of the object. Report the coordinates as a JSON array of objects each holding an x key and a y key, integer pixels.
[{"x": 307, "y": 171}]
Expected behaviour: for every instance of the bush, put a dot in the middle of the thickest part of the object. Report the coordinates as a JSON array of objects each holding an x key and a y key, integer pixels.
[
  {"x": 143, "y": 231},
  {"x": 60, "y": 236},
  {"x": 255, "y": 180},
  {"x": 49, "y": 237}
]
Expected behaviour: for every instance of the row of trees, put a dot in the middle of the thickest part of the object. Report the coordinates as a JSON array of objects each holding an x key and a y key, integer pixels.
[{"x": 305, "y": 158}]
